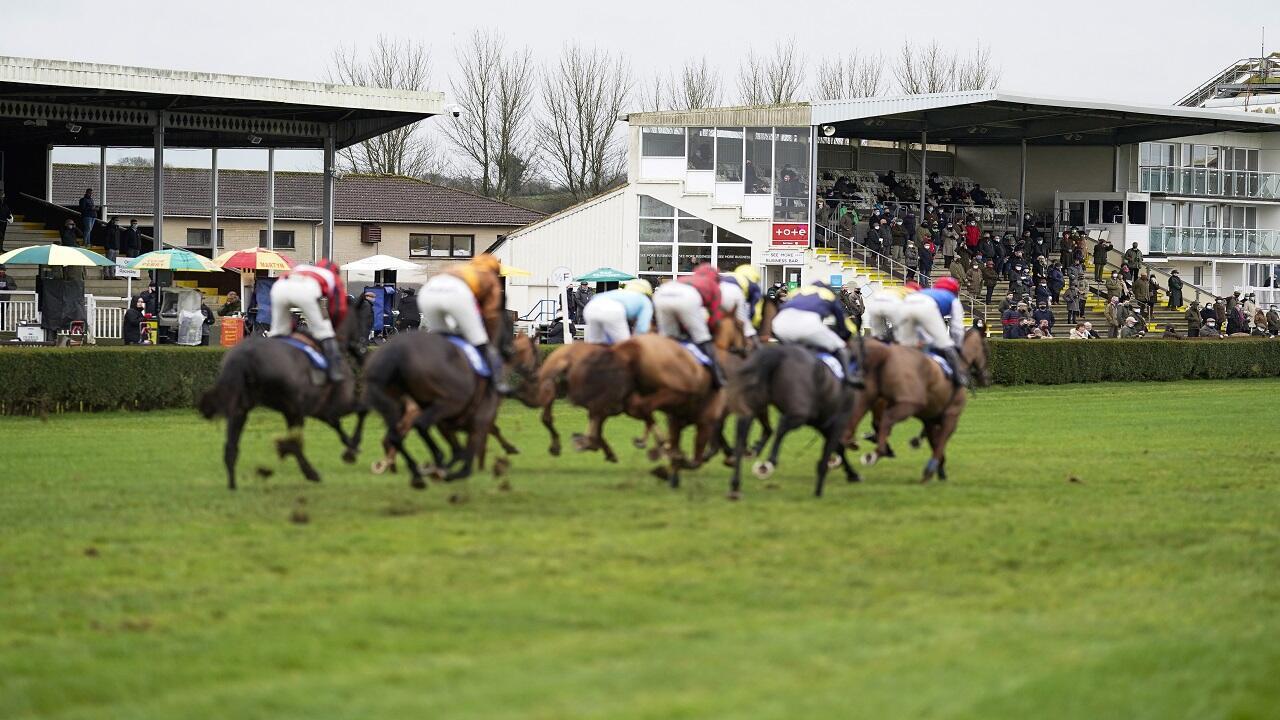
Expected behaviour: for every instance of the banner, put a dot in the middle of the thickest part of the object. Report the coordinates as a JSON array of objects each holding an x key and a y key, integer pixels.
[{"x": 790, "y": 235}]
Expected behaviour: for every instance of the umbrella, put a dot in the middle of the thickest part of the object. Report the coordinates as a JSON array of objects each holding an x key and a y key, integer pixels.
[
  {"x": 512, "y": 271},
  {"x": 55, "y": 255},
  {"x": 377, "y": 263},
  {"x": 173, "y": 259},
  {"x": 605, "y": 274},
  {"x": 253, "y": 259}
]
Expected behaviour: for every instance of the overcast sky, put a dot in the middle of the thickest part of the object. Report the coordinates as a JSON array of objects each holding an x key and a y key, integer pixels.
[{"x": 1107, "y": 50}]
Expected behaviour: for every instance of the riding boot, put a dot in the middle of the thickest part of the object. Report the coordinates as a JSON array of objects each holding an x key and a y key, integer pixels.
[
  {"x": 852, "y": 372},
  {"x": 499, "y": 377},
  {"x": 708, "y": 348},
  {"x": 334, "y": 356},
  {"x": 957, "y": 366}
]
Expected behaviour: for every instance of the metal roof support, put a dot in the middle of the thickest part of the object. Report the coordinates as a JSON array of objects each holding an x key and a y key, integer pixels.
[
  {"x": 326, "y": 213},
  {"x": 271, "y": 198},
  {"x": 48, "y": 173},
  {"x": 213, "y": 205},
  {"x": 1022, "y": 188},
  {"x": 924, "y": 154},
  {"x": 157, "y": 183},
  {"x": 102, "y": 181}
]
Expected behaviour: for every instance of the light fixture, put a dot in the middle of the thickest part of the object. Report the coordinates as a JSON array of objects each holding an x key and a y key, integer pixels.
[
  {"x": 38, "y": 122},
  {"x": 73, "y": 128},
  {"x": 828, "y": 130},
  {"x": 973, "y": 129},
  {"x": 255, "y": 139}
]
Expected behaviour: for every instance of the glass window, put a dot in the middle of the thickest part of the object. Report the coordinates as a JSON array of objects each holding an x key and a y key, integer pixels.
[
  {"x": 655, "y": 258},
  {"x": 440, "y": 245},
  {"x": 702, "y": 148},
  {"x": 463, "y": 245},
  {"x": 283, "y": 239},
  {"x": 728, "y": 154},
  {"x": 425, "y": 245},
  {"x": 691, "y": 256},
  {"x": 419, "y": 245},
  {"x": 1144, "y": 154},
  {"x": 662, "y": 142},
  {"x": 1196, "y": 217},
  {"x": 1137, "y": 212},
  {"x": 1075, "y": 213},
  {"x": 1253, "y": 160},
  {"x": 1211, "y": 158},
  {"x": 199, "y": 237},
  {"x": 1095, "y": 212},
  {"x": 728, "y": 258},
  {"x": 1186, "y": 154},
  {"x": 1199, "y": 155},
  {"x": 724, "y": 237},
  {"x": 657, "y": 231},
  {"x": 695, "y": 231},
  {"x": 651, "y": 208},
  {"x": 1113, "y": 211},
  {"x": 757, "y": 170},
  {"x": 791, "y": 179}
]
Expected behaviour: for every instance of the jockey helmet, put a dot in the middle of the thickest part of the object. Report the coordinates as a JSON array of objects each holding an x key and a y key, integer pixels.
[
  {"x": 328, "y": 264},
  {"x": 639, "y": 285},
  {"x": 747, "y": 274},
  {"x": 949, "y": 284},
  {"x": 911, "y": 285}
]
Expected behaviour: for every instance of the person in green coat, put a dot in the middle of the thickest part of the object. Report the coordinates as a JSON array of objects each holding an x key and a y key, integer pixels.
[
  {"x": 1115, "y": 286},
  {"x": 1133, "y": 258},
  {"x": 1175, "y": 290},
  {"x": 1193, "y": 319}
]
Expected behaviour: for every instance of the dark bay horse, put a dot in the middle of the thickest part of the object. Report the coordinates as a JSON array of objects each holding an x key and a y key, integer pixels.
[
  {"x": 429, "y": 370},
  {"x": 794, "y": 380},
  {"x": 271, "y": 373},
  {"x": 903, "y": 382}
]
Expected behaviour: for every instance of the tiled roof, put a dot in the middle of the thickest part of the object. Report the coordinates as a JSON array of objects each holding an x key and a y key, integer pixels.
[{"x": 243, "y": 194}]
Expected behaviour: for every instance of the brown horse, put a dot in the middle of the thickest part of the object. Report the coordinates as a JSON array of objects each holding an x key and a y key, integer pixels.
[
  {"x": 652, "y": 373},
  {"x": 903, "y": 382}
]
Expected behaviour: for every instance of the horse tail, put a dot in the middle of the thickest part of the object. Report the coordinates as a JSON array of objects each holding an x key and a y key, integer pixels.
[
  {"x": 748, "y": 390},
  {"x": 604, "y": 380},
  {"x": 230, "y": 384}
]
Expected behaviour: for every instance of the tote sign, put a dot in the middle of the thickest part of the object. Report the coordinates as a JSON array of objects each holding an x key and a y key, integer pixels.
[{"x": 790, "y": 235}]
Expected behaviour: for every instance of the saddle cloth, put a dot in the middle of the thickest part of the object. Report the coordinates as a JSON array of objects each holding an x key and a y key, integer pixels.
[
  {"x": 697, "y": 353},
  {"x": 833, "y": 364},
  {"x": 317, "y": 358},
  {"x": 474, "y": 358},
  {"x": 942, "y": 363}
]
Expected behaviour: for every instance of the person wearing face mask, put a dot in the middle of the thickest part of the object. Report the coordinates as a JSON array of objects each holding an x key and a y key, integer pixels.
[{"x": 133, "y": 319}]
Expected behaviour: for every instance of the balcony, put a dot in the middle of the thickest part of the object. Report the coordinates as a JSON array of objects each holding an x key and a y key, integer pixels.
[
  {"x": 1210, "y": 182},
  {"x": 1215, "y": 241}
]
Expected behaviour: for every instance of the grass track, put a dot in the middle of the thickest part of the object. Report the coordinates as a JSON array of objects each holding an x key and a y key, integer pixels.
[{"x": 132, "y": 584}]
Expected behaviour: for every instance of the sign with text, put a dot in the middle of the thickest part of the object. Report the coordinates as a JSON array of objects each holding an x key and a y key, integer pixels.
[
  {"x": 124, "y": 272},
  {"x": 790, "y": 235},
  {"x": 561, "y": 277},
  {"x": 782, "y": 256}
]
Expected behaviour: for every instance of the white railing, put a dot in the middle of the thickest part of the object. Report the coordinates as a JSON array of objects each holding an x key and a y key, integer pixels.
[
  {"x": 1214, "y": 241},
  {"x": 105, "y": 322},
  {"x": 17, "y": 306},
  {"x": 1210, "y": 182}
]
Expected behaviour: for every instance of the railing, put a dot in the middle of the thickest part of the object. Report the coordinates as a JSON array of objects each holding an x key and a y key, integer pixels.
[
  {"x": 543, "y": 311},
  {"x": 1115, "y": 258},
  {"x": 1210, "y": 182},
  {"x": 17, "y": 306},
  {"x": 828, "y": 238},
  {"x": 1215, "y": 241},
  {"x": 105, "y": 322},
  {"x": 75, "y": 214}
]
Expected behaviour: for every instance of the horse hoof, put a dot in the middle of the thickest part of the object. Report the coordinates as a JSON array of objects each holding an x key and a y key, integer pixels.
[
  {"x": 349, "y": 456},
  {"x": 852, "y": 477},
  {"x": 580, "y": 442},
  {"x": 438, "y": 474},
  {"x": 379, "y": 466},
  {"x": 654, "y": 454},
  {"x": 763, "y": 469},
  {"x": 888, "y": 451},
  {"x": 869, "y": 459},
  {"x": 660, "y": 473},
  {"x": 418, "y": 483},
  {"x": 834, "y": 462},
  {"x": 915, "y": 443},
  {"x": 313, "y": 477},
  {"x": 638, "y": 443},
  {"x": 733, "y": 495},
  {"x": 554, "y": 450}
]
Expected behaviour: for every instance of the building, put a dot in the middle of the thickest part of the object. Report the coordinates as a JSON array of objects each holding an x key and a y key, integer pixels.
[{"x": 429, "y": 224}]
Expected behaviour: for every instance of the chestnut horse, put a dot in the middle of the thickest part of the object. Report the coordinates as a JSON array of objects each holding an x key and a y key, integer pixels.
[{"x": 903, "y": 382}]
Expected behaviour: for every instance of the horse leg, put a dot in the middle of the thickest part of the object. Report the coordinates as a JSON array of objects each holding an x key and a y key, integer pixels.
[
  {"x": 918, "y": 440},
  {"x": 786, "y": 424},
  {"x": 549, "y": 423},
  {"x": 766, "y": 432},
  {"x": 675, "y": 457},
  {"x": 831, "y": 446},
  {"x": 507, "y": 447},
  {"x": 291, "y": 444},
  {"x": 348, "y": 450},
  {"x": 235, "y": 426},
  {"x": 892, "y": 415},
  {"x": 741, "y": 432},
  {"x": 939, "y": 433}
]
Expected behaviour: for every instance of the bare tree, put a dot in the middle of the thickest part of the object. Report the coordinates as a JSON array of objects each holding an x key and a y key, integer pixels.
[
  {"x": 582, "y": 95},
  {"x": 932, "y": 68},
  {"x": 495, "y": 90},
  {"x": 771, "y": 80},
  {"x": 400, "y": 65},
  {"x": 696, "y": 87},
  {"x": 852, "y": 76},
  {"x": 653, "y": 95}
]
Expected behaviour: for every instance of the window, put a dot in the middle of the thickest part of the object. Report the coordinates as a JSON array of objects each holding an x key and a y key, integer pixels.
[
  {"x": 284, "y": 239},
  {"x": 441, "y": 245},
  {"x": 694, "y": 230},
  {"x": 199, "y": 237},
  {"x": 651, "y": 208},
  {"x": 724, "y": 237},
  {"x": 662, "y": 142},
  {"x": 701, "y": 148},
  {"x": 730, "y": 257},
  {"x": 655, "y": 258},
  {"x": 1095, "y": 212},
  {"x": 1137, "y": 212},
  {"x": 1197, "y": 275},
  {"x": 728, "y": 155},
  {"x": 791, "y": 178},
  {"x": 757, "y": 172}
]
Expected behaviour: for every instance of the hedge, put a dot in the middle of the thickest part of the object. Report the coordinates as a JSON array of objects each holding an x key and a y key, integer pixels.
[{"x": 41, "y": 380}]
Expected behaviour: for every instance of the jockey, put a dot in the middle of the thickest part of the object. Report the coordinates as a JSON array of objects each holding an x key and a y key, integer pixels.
[
  {"x": 301, "y": 288},
  {"x": 691, "y": 306},
  {"x": 802, "y": 320},
  {"x": 922, "y": 314},
  {"x": 468, "y": 301},
  {"x": 609, "y": 315},
  {"x": 882, "y": 313},
  {"x": 740, "y": 297}
]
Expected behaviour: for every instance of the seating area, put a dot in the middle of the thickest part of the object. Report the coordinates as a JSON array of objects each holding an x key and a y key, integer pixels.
[{"x": 863, "y": 190}]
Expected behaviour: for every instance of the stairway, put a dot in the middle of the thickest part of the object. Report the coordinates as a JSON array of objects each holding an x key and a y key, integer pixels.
[{"x": 24, "y": 233}]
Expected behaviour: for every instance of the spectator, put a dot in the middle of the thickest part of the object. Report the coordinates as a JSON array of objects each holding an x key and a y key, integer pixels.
[
  {"x": 1154, "y": 288},
  {"x": 898, "y": 239},
  {"x": 911, "y": 258},
  {"x": 1133, "y": 258},
  {"x": 231, "y": 306},
  {"x": 1008, "y": 303},
  {"x": 206, "y": 324},
  {"x": 67, "y": 234},
  {"x": 1170, "y": 333},
  {"x": 88, "y": 215},
  {"x": 1043, "y": 314},
  {"x": 1194, "y": 321},
  {"x": 1115, "y": 286},
  {"x": 6, "y": 283},
  {"x": 1072, "y": 300},
  {"x": 1210, "y": 329},
  {"x": 1249, "y": 305},
  {"x": 927, "y": 250},
  {"x": 1259, "y": 322},
  {"x": 1175, "y": 290},
  {"x": 1131, "y": 329},
  {"x": 150, "y": 298},
  {"x": 1142, "y": 290},
  {"x": 1220, "y": 308},
  {"x": 949, "y": 240},
  {"x": 584, "y": 295},
  {"x": 990, "y": 277},
  {"x": 972, "y": 233},
  {"x": 1115, "y": 315},
  {"x": 111, "y": 242},
  {"x": 6, "y": 217},
  {"x": 975, "y": 280},
  {"x": 1273, "y": 321},
  {"x": 853, "y": 303},
  {"x": 1079, "y": 332},
  {"x": 132, "y": 245},
  {"x": 1042, "y": 330},
  {"x": 958, "y": 271},
  {"x": 1101, "y": 251},
  {"x": 1011, "y": 322},
  {"x": 133, "y": 319},
  {"x": 1236, "y": 321},
  {"x": 1042, "y": 292},
  {"x": 410, "y": 317},
  {"x": 1057, "y": 280}
]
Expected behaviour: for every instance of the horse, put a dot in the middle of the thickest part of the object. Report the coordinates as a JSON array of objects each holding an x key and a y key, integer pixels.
[
  {"x": 652, "y": 373},
  {"x": 434, "y": 373},
  {"x": 903, "y": 382},
  {"x": 805, "y": 391},
  {"x": 271, "y": 373}
]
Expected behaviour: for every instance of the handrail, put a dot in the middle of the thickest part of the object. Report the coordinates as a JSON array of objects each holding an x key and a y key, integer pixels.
[
  {"x": 75, "y": 214},
  {"x": 1187, "y": 286},
  {"x": 871, "y": 258}
]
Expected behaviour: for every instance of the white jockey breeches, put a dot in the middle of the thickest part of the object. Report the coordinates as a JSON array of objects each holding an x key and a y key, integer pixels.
[
  {"x": 734, "y": 303},
  {"x": 881, "y": 312},
  {"x": 606, "y": 321},
  {"x": 801, "y": 327},
  {"x": 922, "y": 321},
  {"x": 447, "y": 305},
  {"x": 679, "y": 306},
  {"x": 303, "y": 293}
]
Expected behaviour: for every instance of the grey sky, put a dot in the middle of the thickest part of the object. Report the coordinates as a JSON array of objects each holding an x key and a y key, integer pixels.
[{"x": 1126, "y": 51}]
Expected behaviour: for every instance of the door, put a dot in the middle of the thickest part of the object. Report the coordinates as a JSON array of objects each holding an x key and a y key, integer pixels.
[{"x": 791, "y": 277}]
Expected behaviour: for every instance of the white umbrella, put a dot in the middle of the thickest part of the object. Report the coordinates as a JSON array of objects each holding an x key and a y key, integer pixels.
[{"x": 376, "y": 263}]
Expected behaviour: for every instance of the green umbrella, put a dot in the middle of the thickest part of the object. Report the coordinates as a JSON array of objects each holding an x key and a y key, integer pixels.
[
  {"x": 605, "y": 274},
  {"x": 173, "y": 259},
  {"x": 54, "y": 255}
]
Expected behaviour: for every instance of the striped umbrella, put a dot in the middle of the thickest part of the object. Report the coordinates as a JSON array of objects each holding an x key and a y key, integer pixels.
[
  {"x": 173, "y": 259},
  {"x": 55, "y": 255},
  {"x": 253, "y": 259}
]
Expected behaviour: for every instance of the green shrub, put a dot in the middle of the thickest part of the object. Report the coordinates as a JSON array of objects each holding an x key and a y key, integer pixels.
[
  {"x": 40, "y": 380},
  {"x": 1054, "y": 362}
]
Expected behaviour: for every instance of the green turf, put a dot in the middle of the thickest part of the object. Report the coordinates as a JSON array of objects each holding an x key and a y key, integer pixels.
[{"x": 133, "y": 585}]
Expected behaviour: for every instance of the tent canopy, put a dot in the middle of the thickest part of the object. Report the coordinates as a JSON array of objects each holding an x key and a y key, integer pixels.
[
  {"x": 377, "y": 263},
  {"x": 605, "y": 274}
]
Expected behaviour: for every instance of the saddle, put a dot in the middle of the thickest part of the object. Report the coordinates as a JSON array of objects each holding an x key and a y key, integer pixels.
[
  {"x": 696, "y": 352},
  {"x": 943, "y": 364},
  {"x": 478, "y": 364},
  {"x": 308, "y": 346}
]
